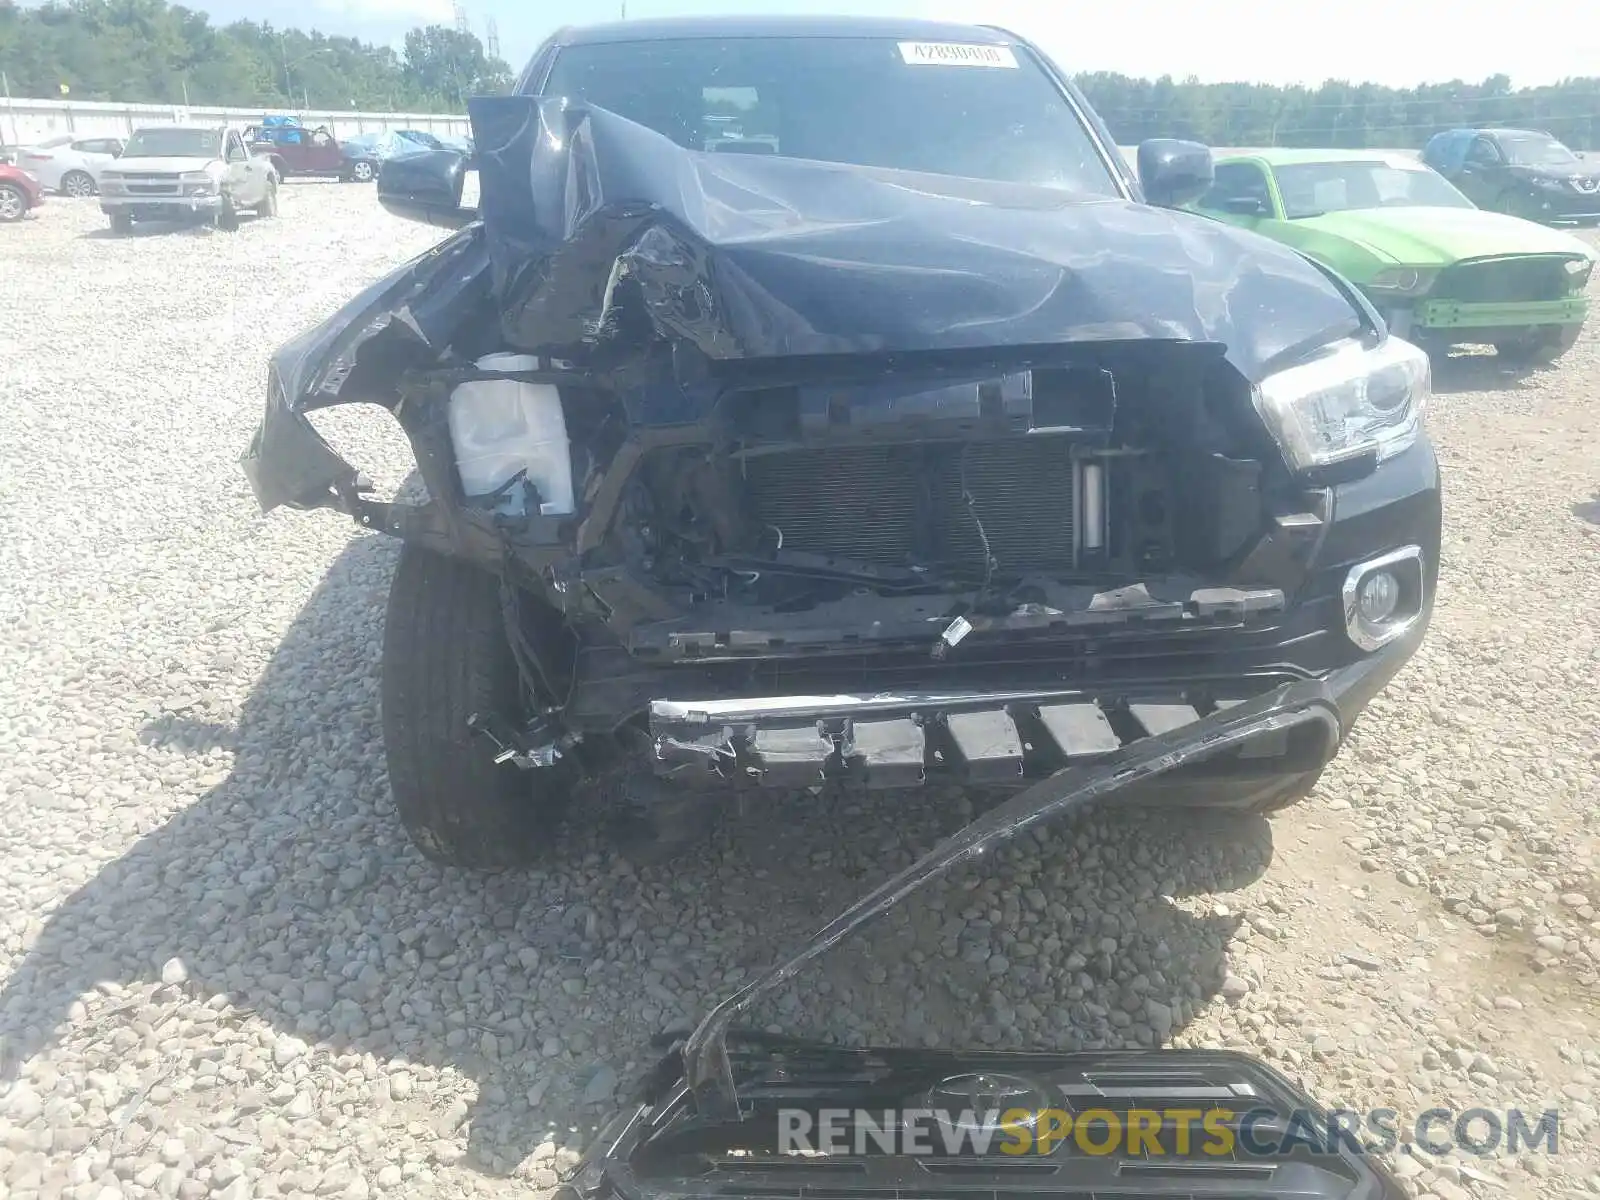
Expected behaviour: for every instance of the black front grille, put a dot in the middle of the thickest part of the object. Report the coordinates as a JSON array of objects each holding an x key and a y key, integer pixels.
[
  {"x": 1503, "y": 280},
  {"x": 905, "y": 505}
]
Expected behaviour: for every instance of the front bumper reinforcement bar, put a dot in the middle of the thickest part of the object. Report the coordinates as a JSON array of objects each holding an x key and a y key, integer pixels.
[{"x": 1310, "y": 705}]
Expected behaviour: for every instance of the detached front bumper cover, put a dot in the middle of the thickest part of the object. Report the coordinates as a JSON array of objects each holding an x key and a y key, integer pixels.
[{"x": 1320, "y": 704}]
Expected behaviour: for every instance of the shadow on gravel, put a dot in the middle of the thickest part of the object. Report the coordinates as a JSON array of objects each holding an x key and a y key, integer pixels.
[
  {"x": 154, "y": 229},
  {"x": 289, "y": 887},
  {"x": 1480, "y": 373},
  {"x": 1588, "y": 510}
]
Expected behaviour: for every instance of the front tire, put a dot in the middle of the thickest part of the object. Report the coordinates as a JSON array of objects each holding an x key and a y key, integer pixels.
[
  {"x": 269, "y": 204},
  {"x": 13, "y": 204},
  {"x": 445, "y": 658},
  {"x": 362, "y": 172},
  {"x": 77, "y": 184},
  {"x": 227, "y": 218},
  {"x": 121, "y": 224}
]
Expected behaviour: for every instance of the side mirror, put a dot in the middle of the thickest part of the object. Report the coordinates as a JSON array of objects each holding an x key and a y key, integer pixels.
[
  {"x": 425, "y": 186},
  {"x": 1174, "y": 173},
  {"x": 1244, "y": 206}
]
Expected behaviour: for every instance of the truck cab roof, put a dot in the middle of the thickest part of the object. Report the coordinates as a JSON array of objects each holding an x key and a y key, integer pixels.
[{"x": 781, "y": 26}]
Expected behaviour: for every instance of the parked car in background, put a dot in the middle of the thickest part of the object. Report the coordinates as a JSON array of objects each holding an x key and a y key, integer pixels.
[
  {"x": 365, "y": 153},
  {"x": 423, "y": 138},
  {"x": 71, "y": 166},
  {"x": 294, "y": 150},
  {"x": 172, "y": 172},
  {"x": 362, "y": 157},
  {"x": 20, "y": 193},
  {"x": 1441, "y": 271},
  {"x": 1523, "y": 172}
]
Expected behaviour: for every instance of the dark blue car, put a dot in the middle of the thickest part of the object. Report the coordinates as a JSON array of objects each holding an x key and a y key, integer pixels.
[{"x": 1523, "y": 172}]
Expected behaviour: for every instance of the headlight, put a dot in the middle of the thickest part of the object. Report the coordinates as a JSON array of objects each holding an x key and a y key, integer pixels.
[
  {"x": 198, "y": 177},
  {"x": 1578, "y": 271},
  {"x": 1346, "y": 402},
  {"x": 1405, "y": 281},
  {"x": 1548, "y": 181}
]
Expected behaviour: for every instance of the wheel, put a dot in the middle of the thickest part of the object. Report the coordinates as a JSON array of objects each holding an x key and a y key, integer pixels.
[
  {"x": 362, "y": 171},
  {"x": 1505, "y": 202},
  {"x": 1514, "y": 204},
  {"x": 446, "y": 658},
  {"x": 13, "y": 203},
  {"x": 1544, "y": 344},
  {"x": 78, "y": 184},
  {"x": 227, "y": 218},
  {"x": 269, "y": 205},
  {"x": 121, "y": 224}
]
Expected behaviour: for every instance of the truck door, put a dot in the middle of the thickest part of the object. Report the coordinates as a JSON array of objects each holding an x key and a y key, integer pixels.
[
  {"x": 246, "y": 177},
  {"x": 323, "y": 155}
]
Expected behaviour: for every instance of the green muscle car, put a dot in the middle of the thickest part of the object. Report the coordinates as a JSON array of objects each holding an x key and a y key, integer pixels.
[{"x": 1441, "y": 271}]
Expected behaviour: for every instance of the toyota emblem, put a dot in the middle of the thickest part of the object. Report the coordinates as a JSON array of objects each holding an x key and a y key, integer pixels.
[{"x": 977, "y": 1101}]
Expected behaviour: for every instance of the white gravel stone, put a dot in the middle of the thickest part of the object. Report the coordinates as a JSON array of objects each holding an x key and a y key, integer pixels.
[{"x": 215, "y": 944}]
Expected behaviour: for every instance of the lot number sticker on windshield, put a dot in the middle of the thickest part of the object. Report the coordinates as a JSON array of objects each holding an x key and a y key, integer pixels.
[{"x": 953, "y": 54}]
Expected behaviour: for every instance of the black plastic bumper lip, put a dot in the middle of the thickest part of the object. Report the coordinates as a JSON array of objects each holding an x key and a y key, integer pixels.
[{"x": 1327, "y": 704}]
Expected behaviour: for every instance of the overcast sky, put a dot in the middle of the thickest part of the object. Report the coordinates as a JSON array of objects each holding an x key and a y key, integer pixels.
[{"x": 1397, "y": 42}]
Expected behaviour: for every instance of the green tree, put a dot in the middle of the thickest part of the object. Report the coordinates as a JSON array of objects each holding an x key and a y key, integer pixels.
[
  {"x": 1338, "y": 112},
  {"x": 149, "y": 51},
  {"x": 450, "y": 63},
  {"x": 153, "y": 51}
]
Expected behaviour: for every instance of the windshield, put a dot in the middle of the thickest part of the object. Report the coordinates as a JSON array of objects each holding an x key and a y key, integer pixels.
[
  {"x": 1536, "y": 150},
  {"x": 1311, "y": 189},
  {"x": 174, "y": 143},
  {"x": 983, "y": 112}
]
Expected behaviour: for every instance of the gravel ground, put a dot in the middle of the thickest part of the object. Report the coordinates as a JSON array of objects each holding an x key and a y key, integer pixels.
[{"x": 223, "y": 972}]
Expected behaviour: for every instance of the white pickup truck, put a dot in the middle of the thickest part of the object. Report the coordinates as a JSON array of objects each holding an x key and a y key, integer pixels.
[{"x": 173, "y": 172}]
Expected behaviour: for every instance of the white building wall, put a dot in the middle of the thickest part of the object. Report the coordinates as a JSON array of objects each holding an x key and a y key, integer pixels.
[{"x": 25, "y": 121}]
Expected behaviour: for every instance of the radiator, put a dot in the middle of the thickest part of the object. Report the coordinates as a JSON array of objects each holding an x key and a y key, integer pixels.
[{"x": 903, "y": 505}]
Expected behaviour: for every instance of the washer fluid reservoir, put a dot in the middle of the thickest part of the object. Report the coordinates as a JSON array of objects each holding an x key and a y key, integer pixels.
[{"x": 502, "y": 426}]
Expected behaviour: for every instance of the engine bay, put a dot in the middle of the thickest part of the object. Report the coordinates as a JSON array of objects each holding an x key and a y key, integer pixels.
[{"x": 998, "y": 489}]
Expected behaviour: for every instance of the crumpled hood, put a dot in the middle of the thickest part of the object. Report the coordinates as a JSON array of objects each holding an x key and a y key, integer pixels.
[
  {"x": 1427, "y": 236},
  {"x": 167, "y": 163},
  {"x": 746, "y": 256}
]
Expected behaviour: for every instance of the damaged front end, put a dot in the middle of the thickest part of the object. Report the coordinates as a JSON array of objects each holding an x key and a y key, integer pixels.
[
  {"x": 729, "y": 1112},
  {"x": 875, "y": 476}
]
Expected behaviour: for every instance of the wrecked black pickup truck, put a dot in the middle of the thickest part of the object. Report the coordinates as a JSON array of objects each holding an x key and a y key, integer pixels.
[{"x": 888, "y": 432}]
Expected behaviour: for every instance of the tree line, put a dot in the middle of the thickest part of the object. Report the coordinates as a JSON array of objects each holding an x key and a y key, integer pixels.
[
  {"x": 155, "y": 52},
  {"x": 1349, "y": 115},
  {"x": 149, "y": 51}
]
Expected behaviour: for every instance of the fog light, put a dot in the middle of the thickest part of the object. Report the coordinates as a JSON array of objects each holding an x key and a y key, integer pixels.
[
  {"x": 1383, "y": 597},
  {"x": 1378, "y": 597}
]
